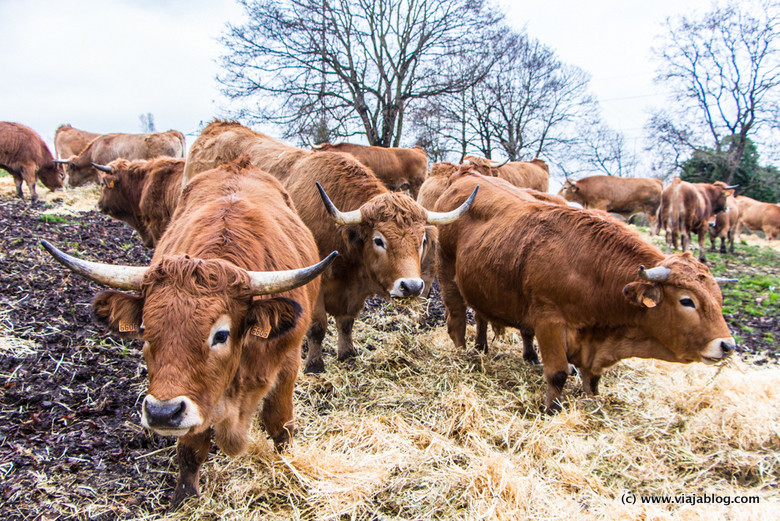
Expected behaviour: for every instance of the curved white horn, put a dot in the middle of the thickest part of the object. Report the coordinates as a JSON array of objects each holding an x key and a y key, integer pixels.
[
  {"x": 723, "y": 280},
  {"x": 493, "y": 164},
  {"x": 343, "y": 218},
  {"x": 657, "y": 274},
  {"x": 267, "y": 282},
  {"x": 454, "y": 215},
  {"x": 313, "y": 146},
  {"x": 102, "y": 168},
  {"x": 120, "y": 277}
]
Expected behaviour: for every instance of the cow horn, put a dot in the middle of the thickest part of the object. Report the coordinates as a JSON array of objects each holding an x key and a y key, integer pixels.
[
  {"x": 731, "y": 187},
  {"x": 102, "y": 168},
  {"x": 62, "y": 161},
  {"x": 723, "y": 280},
  {"x": 121, "y": 277},
  {"x": 454, "y": 215},
  {"x": 267, "y": 282},
  {"x": 657, "y": 274},
  {"x": 313, "y": 146},
  {"x": 494, "y": 164},
  {"x": 343, "y": 218}
]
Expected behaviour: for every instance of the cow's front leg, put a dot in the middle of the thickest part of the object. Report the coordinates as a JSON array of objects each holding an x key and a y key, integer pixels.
[
  {"x": 590, "y": 381},
  {"x": 481, "y": 342},
  {"x": 191, "y": 452},
  {"x": 277, "y": 415},
  {"x": 454, "y": 305},
  {"x": 314, "y": 337},
  {"x": 28, "y": 174},
  {"x": 529, "y": 352},
  {"x": 346, "y": 349},
  {"x": 552, "y": 344}
]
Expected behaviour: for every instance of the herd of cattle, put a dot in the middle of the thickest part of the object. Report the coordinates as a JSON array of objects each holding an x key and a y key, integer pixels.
[{"x": 238, "y": 228}]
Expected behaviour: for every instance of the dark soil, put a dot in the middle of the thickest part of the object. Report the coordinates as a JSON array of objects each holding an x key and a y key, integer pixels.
[{"x": 71, "y": 445}]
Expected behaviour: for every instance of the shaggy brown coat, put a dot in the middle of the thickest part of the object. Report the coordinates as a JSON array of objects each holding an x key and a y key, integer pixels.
[
  {"x": 573, "y": 276},
  {"x": 624, "y": 196},
  {"x": 525, "y": 174},
  {"x": 25, "y": 156},
  {"x": 229, "y": 221},
  {"x": 400, "y": 169},
  {"x": 69, "y": 141},
  {"x": 107, "y": 147},
  {"x": 360, "y": 269},
  {"x": 142, "y": 193}
]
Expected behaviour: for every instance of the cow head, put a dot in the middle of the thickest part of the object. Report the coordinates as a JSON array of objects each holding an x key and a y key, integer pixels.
[
  {"x": 120, "y": 196},
  {"x": 393, "y": 232},
  {"x": 719, "y": 193},
  {"x": 570, "y": 191},
  {"x": 79, "y": 171},
  {"x": 484, "y": 166},
  {"x": 198, "y": 319},
  {"x": 682, "y": 303},
  {"x": 51, "y": 176}
]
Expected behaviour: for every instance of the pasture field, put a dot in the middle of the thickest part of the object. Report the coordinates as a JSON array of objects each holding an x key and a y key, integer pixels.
[{"x": 411, "y": 429}]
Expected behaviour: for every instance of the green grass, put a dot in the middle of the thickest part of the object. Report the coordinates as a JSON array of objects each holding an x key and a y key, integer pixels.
[{"x": 49, "y": 218}]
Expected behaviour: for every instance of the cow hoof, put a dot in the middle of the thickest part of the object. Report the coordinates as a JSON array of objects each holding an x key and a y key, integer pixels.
[
  {"x": 482, "y": 348},
  {"x": 531, "y": 358},
  {"x": 553, "y": 409},
  {"x": 182, "y": 493},
  {"x": 314, "y": 367},
  {"x": 346, "y": 355}
]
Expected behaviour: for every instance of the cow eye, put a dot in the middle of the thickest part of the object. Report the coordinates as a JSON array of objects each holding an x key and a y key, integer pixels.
[
  {"x": 220, "y": 337},
  {"x": 687, "y": 302},
  {"x": 379, "y": 242}
]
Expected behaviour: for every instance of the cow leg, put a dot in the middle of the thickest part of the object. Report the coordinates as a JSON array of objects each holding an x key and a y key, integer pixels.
[
  {"x": 702, "y": 245},
  {"x": 191, "y": 452},
  {"x": 346, "y": 348},
  {"x": 277, "y": 413},
  {"x": 28, "y": 174},
  {"x": 481, "y": 342},
  {"x": 590, "y": 381},
  {"x": 529, "y": 352},
  {"x": 454, "y": 305},
  {"x": 552, "y": 344},
  {"x": 314, "y": 338},
  {"x": 18, "y": 182}
]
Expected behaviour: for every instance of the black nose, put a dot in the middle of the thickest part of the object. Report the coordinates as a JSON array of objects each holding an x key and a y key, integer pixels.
[
  {"x": 164, "y": 414},
  {"x": 727, "y": 348},
  {"x": 412, "y": 287}
]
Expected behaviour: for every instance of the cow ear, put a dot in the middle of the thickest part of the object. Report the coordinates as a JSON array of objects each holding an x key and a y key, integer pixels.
[
  {"x": 643, "y": 294},
  {"x": 271, "y": 318},
  {"x": 119, "y": 312}
]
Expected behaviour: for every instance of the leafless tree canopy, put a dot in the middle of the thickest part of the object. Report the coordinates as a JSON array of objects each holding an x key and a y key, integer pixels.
[
  {"x": 724, "y": 71},
  {"x": 354, "y": 66}
]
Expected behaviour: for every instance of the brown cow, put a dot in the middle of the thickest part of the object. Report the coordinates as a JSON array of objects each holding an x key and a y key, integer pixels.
[
  {"x": 69, "y": 141},
  {"x": 688, "y": 207},
  {"x": 725, "y": 226},
  {"x": 525, "y": 174},
  {"x": 756, "y": 215},
  {"x": 25, "y": 156},
  {"x": 579, "y": 279},
  {"x": 381, "y": 234},
  {"x": 625, "y": 196},
  {"x": 400, "y": 169},
  {"x": 143, "y": 193},
  {"x": 107, "y": 147},
  {"x": 214, "y": 347}
]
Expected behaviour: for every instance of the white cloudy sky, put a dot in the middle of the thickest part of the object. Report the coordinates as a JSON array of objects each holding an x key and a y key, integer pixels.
[{"x": 99, "y": 64}]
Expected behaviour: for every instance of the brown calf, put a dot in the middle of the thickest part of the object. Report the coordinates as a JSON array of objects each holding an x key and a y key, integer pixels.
[{"x": 26, "y": 157}]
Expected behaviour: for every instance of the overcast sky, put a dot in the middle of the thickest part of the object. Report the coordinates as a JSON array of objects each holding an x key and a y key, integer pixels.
[{"x": 100, "y": 64}]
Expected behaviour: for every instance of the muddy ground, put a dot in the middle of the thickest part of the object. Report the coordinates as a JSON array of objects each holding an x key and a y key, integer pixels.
[{"x": 71, "y": 445}]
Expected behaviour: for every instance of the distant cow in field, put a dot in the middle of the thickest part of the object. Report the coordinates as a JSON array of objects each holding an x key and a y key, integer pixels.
[
  {"x": 69, "y": 141},
  {"x": 400, "y": 169},
  {"x": 107, "y": 147},
  {"x": 625, "y": 196},
  {"x": 755, "y": 216},
  {"x": 381, "y": 235},
  {"x": 223, "y": 309},
  {"x": 143, "y": 193},
  {"x": 525, "y": 174},
  {"x": 688, "y": 207},
  {"x": 725, "y": 226},
  {"x": 25, "y": 156},
  {"x": 593, "y": 291}
]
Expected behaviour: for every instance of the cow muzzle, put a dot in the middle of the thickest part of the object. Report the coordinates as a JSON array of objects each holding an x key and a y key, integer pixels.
[
  {"x": 407, "y": 288},
  {"x": 174, "y": 417},
  {"x": 718, "y": 350}
]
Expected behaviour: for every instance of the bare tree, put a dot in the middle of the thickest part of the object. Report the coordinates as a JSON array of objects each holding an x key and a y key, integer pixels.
[
  {"x": 147, "y": 122},
  {"x": 356, "y": 63},
  {"x": 724, "y": 71}
]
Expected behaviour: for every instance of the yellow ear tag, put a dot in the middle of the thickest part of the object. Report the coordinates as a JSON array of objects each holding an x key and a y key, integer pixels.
[
  {"x": 648, "y": 302},
  {"x": 126, "y": 327},
  {"x": 261, "y": 331}
]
